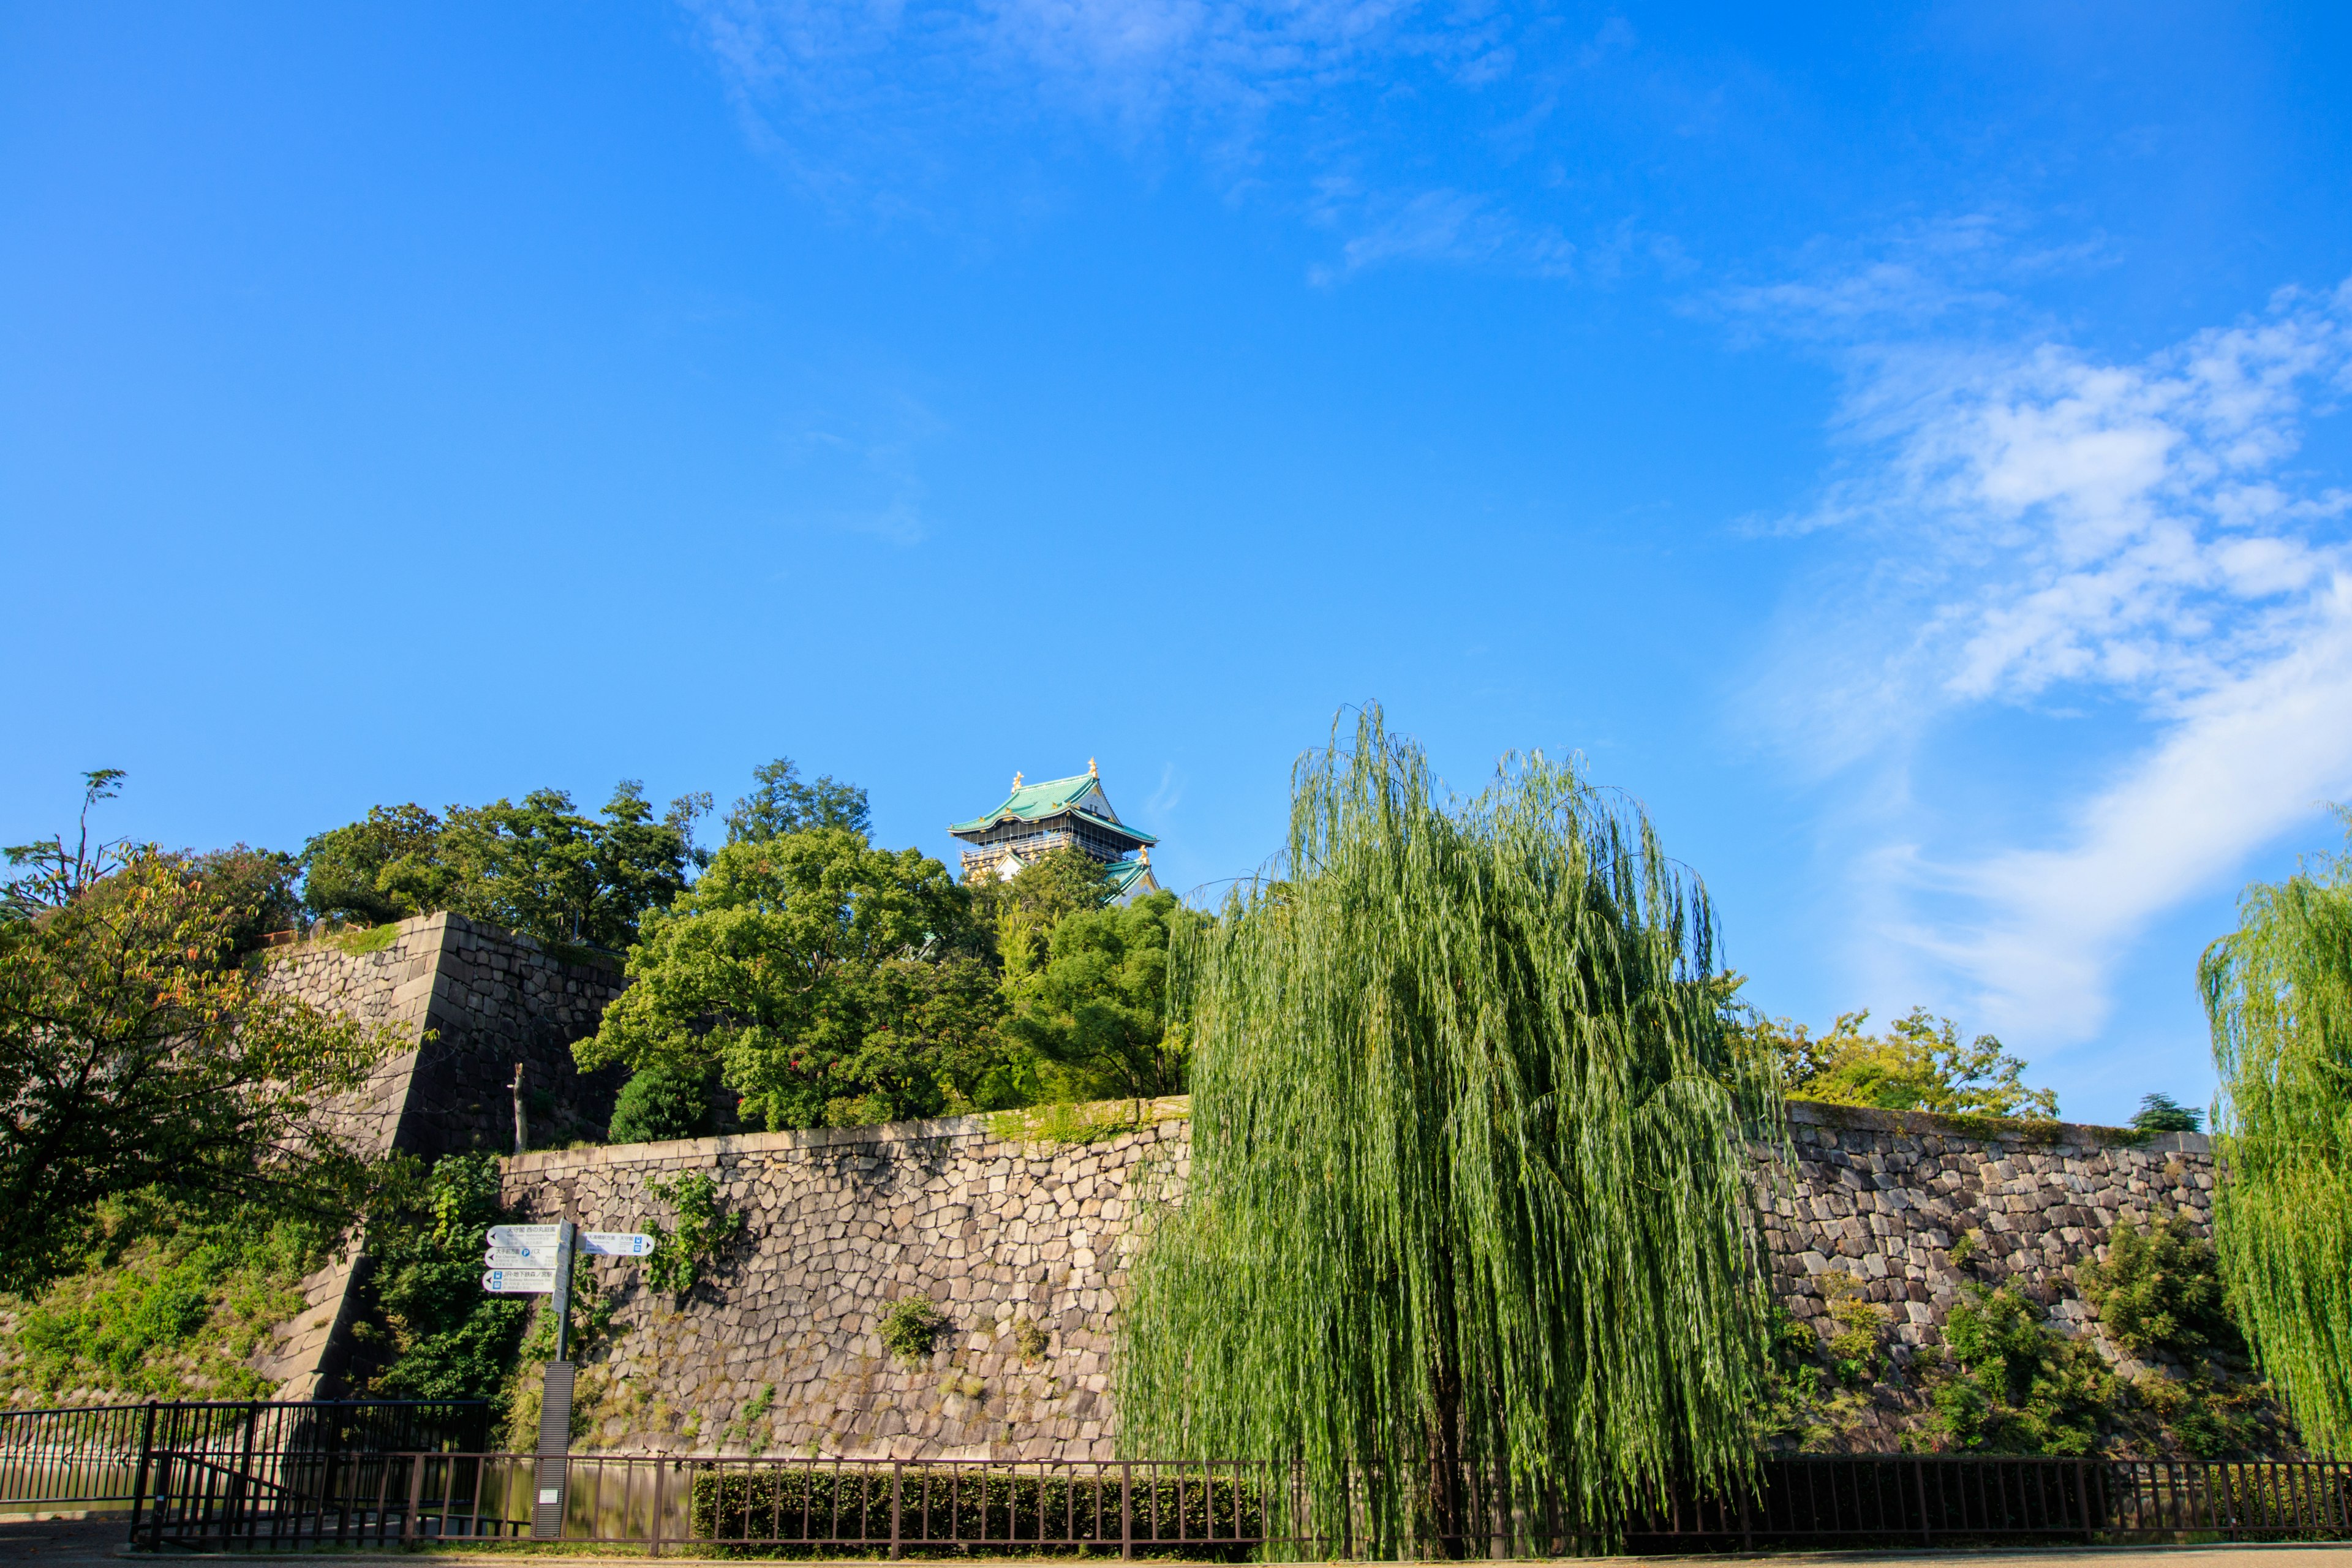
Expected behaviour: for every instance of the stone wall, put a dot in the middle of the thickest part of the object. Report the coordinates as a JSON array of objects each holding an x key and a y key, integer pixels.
[
  {"x": 779, "y": 1349},
  {"x": 471, "y": 1002},
  {"x": 1882, "y": 1198},
  {"x": 1022, "y": 1245},
  {"x": 467, "y": 1002}
]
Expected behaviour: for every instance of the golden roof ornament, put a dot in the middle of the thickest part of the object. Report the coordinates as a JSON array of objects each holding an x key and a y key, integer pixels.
[
  {"x": 1090, "y": 769},
  {"x": 1016, "y": 780}
]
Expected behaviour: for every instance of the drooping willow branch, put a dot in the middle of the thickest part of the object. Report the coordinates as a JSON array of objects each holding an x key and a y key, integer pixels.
[
  {"x": 1467, "y": 1230},
  {"x": 2278, "y": 992}
]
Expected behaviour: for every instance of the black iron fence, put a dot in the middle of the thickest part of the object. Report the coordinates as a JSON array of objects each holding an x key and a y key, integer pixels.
[
  {"x": 80, "y": 1456},
  {"x": 1200, "y": 1511},
  {"x": 1229, "y": 1511},
  {"x": 1952, "y": 1499},
  {"x": 105, "y": 1453}
]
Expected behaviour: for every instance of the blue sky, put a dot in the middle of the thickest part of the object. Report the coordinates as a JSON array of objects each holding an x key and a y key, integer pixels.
[{"x": 1904, "y": 448}]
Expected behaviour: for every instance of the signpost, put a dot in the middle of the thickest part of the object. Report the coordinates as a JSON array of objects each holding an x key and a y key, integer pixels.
[{"x": 536, "y": 1259}]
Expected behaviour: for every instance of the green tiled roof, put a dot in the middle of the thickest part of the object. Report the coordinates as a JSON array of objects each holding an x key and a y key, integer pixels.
[
  {"x": 1125, "y": 874},
  {"x": 1034, "y": 803}
]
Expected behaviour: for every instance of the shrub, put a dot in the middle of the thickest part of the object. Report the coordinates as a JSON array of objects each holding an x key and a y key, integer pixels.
[
  {"x": 961, "y": 1508},
  {"x": 703, "y": 1228},
  {"x": 1853, "y": 1349},
  {"x": 663, "y": 1100},
  {"x": 2012, "y": 1386},
  {"x": 446, "y": 1338},
  {"x": 2159, "y": 1290},
  {"x": 910, "y": 1328}
]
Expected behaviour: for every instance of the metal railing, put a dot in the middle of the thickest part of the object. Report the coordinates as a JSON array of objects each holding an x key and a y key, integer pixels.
[
  {"x": 101, "y": 1454},
  {"x": 1212, "y": 1510},
  {"x": 86, "y": 1454},
  {"x": 1927, "y": 1499},
  {"x": 205, "y": 1498}
]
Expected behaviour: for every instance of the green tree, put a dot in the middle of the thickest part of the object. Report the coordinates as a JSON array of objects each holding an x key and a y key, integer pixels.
[
  {"x": 51, "y": 876},
  {"x": 378, "y": 868},
  {"x": 1016, "y": 915},
  {"x": 779, "y": 803},
  {"x": 1469, "y": 1234},
  {"x": 2162, "y": 1113},
  {"x": 1919, "y": 1064},
  {"x": 830, "y": 981},
  {"x": 133, "y": 1054},
  {"x": 2278, "y": 993},
  {"x": 541, "y": 868},
  {"x": 1097, "y": 1005}
]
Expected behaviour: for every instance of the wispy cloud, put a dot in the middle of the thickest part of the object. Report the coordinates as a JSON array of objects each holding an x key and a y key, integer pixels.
[
  {"x": 2045, "y": 528},
  {"x": 914, "y": 108}
]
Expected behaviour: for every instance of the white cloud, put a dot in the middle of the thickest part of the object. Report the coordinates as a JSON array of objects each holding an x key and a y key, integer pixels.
[
  {"x": 920, "y": 109},
  {"x": 2049, "y": 528}
]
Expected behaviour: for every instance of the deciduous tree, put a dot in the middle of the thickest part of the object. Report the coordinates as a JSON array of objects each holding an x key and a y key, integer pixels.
[
  {"x": 133, "y": 1054},
  {"x": 830, "y": 981}
]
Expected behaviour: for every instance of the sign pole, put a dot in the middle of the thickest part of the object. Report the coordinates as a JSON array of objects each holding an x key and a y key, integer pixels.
[
  {"x": 554, "y": 1465},
  {"x": 566, "y": 1242}
]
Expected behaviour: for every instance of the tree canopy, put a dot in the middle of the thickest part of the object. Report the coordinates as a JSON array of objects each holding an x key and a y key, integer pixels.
[
  {"x": 2278, "y": 993},
  {"x": 539, "y": 867},
  {"x": 781, "y": 802},
  {"x": 135, "y": 1055},
  {"x": 832, "y": 983},
  {"x": 1468, "y": 1223},
  {"x": 1919, "y": 1064},
  {"x": 1097, "y": 1006}
]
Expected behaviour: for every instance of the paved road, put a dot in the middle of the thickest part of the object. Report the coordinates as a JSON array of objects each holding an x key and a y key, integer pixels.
[{"x": 67, "y": 1543}]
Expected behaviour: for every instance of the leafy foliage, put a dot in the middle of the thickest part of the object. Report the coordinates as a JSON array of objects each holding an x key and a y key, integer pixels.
[
  {"x": 2012, "y": 1386},
  {"x": 167, "y": 1304},
  {"x": 2278, "y": 992},
  {"x": 1097, "y": 1007},
  {"x": 2159, "y": 1290},
  {"x": 910, "y": 1327},
  {"x": 832, "y": 982},
  {"x": 2162, "y": 1113},
  {"x": 539, "y": 867},
  {"x": 134, "y": 1056},
  {"x": 1919, "y": 1064},
  {"x": 1015, "y": 917},
  {"x": 52, "y": 876},
  {"x": 662, "y": 1099},
  {"x": 1469, "y": 1173},
  {"x": 703, "y": 1229},
  {"x": 439, "y": 1334},
  {"x": 779, "y": 803}
]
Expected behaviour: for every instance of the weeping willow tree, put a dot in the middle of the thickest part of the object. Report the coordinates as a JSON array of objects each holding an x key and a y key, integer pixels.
[
  {"x": 2278, "y": 991},
  {"x": 1467, "y": 1232}
]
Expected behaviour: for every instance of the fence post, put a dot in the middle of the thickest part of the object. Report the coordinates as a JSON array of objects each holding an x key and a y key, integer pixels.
[
  {"x": 896, "y": 1470},
  {"x": 408, "y": 1530},
  {"x": 146, "y": 1465},
  {"x": 661, "y": 1490},
  {"x": 1919, "y": 1489},
  {"x": 2082, "y": 1485},
  {"x": 1126, "y": 1509},
  {"x": 239, "y": 1484}
]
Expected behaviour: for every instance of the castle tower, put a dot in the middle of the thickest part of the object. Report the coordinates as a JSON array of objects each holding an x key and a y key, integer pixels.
[{"x": 1037, "y": 818}]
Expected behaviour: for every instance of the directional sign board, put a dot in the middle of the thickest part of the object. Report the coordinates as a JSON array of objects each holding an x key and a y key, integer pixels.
[
  {"x": 615, "y": 1242},
  {"x": 539, "y": 1239},
  {"x": 518, "y": 1281}
]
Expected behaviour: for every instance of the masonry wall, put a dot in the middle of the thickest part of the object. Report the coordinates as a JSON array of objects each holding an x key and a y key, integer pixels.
[
  {"x": 467, "y": 1003},
  {"x": 779, "y": 1348}
]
